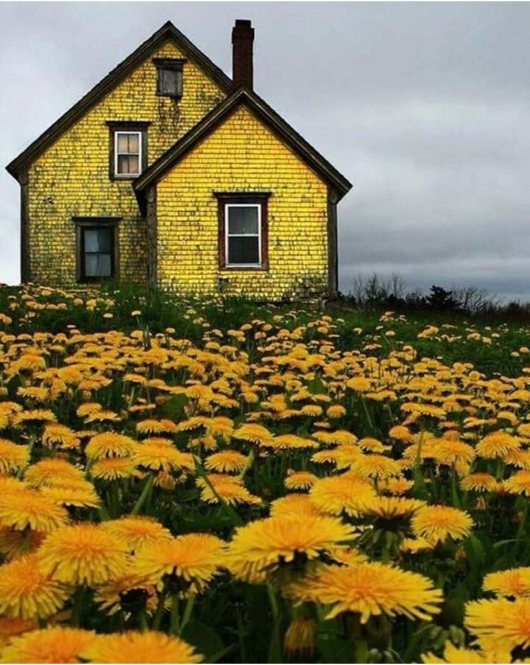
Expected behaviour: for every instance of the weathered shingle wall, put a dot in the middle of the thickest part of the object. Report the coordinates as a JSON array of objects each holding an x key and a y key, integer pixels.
[
  {"x": 71, "y": 178},
  {"x": 242, "y": 155}
]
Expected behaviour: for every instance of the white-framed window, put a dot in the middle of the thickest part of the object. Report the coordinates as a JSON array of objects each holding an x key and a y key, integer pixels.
[
  {"x": 127, "y": 153},
  {"x": 243, "y": 231}
]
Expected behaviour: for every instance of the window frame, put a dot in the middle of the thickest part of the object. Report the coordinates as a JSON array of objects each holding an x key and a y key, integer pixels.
[
  {"x": 170, "y": 64},
  {"x": 243, "y": 199},
  {"x": 84, "y": 224},
  {"x": 117, "y": 127}
]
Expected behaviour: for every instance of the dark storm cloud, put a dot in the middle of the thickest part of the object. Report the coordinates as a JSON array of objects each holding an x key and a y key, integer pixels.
[{"x": 425, "y": 107}]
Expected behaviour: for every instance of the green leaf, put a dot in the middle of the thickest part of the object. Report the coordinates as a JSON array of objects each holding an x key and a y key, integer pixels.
[{"x": 205, "y": 639}]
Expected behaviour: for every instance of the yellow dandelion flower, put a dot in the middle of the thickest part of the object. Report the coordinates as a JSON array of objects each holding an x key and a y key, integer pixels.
[
  {"x": 514, "y": 582},
  {"x": 390, "y": 507},
  {"x": 452, "y": 453},
  {"x": 289, "y": 442},
  {"x": 13, "y": 456},
  {"x": 301, "y": 480},
  {"x": 161, "y": 457},
  {"x": 152, "y": 426},
  {"x": 103, "y": 415},
  {"x": 114, "y": 468},
  {"x": 50, "y": 645},
  {"x": 31, "y": 509},
  {"x": 227, "y": 461},
  {"x": 479, "y": 482},
  {"x": 301, "y": 637},
  {"x": 370, "y": 589},
  {"x": 137, "y": 530},
  {"x": 503, "y": 622},
  {"x": 336, "y": 494},
  {"x": 519, "y": 483},
  {"x": 194, "y": 557},
  {"x": 81, "y": 496},
  {"x": 312, "y": 410},
  {"x": 298, "y": 504},
  {"x": 436, "y": 523},
  {"x": 497, "y": 444},
  {"x": 397, "y": 486},
  {"x": 26, "y": 592},
  {"x": 400, "y": 433},
  {"x": 335, "y": 411},
  {"x": 414, "y": 545},
  {"x": 375, "y": 466},
  {"x": 110, "y": 444},
  {"x": 372, "y": 445},
  {"x": 253, "y": 433},
  {"x": 136, "y": 647},
  {"x": 50, "y": 471},
  {"x": 60, "y": 436},
  {"x": 33, "y": 416},
  {"x": 359, "y": 384},
  {"x": 264, "y": 545},
  {"x": 83, "y": 554},
  {"x": 122, "y": 593},
  {"x": 227, "y": 489}
]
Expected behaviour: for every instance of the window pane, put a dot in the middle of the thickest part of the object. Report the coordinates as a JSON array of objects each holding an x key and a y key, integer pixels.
[
  {"x": 133, "y": 144},
  {"x": 123, "y": 143},
  {"x": 169, "y": 82},
  {"x": 243, "y": 219},
  {"x": 98, "y": 240},
  {"x": 98, "y": 265},
  {"x": 243, "y": 250},
  {"x": 128, "y": 164}
]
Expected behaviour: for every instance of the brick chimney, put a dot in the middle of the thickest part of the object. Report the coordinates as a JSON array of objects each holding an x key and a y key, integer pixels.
[{"x": 242, "y": 54}]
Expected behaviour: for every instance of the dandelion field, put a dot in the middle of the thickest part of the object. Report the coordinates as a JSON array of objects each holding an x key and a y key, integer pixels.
[{"x": 214, "y": 482}]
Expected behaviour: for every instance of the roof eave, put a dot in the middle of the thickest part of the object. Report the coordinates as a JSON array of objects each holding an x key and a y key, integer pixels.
[{"x": 340, "y": 184}]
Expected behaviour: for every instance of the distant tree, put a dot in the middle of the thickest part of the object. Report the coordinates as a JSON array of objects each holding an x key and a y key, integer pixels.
[{"x": 441, "y": 299}]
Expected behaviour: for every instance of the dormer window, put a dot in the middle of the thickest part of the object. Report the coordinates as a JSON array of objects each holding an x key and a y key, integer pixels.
[{"x": 169, "y": 76}]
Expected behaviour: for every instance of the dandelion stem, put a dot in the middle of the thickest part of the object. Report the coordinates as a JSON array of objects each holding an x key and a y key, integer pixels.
[
  {"x": 275, "y": 652},
  {"x": 175, "y": 615},
  {"x": 187, "y": 612},
  {"x": 143, "y": 496}
]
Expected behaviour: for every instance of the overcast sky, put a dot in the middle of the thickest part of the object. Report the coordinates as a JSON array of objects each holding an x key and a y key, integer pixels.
[{"x": 424, "y": 107}]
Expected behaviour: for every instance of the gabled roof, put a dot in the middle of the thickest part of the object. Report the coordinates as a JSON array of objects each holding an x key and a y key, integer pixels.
[
  {"x": 168, "y": 30},
  {"x": 264, "y": 112}
]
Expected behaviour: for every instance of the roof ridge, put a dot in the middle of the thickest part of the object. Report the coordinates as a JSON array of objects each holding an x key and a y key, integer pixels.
[
  {"x": 108, "y": 82},
  {"x": 212, "y": 119}
]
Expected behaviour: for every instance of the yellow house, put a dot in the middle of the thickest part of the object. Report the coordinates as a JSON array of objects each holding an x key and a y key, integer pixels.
[{"x": 169, "y": 173}]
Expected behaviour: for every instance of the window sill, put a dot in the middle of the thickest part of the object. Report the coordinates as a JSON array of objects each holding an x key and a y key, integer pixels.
[{"x": 240, "y": 268}]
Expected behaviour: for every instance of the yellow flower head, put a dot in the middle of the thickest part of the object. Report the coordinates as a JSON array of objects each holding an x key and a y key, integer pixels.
[
  {"x": 51, "y": 471},
  {"x": 264, "y": 545},
  {"x": 497, "y": 444},
  {"x": 137, "y": 531},
  {"x": 297, "y": 504},
  {"x": 114, "y": 468},
  {"x": 51, "y": 645},
  {"x": 503, "y": 622},
  {"x": 136, "y": 647},
  {"x": 436, "y": 523},
  {"x": 26, "y": 592},
  {"x": 519, "y": 483},
  {"x": 83, "y": 554},
  {"x": 336, "y": 494},
  {"x": 194, "y": 558},
  {"x": 110, "y": 444},
  {"x": 31, "y": 509},
  {"x": 227, "y": 461},
  {"x": 13, "y": 457},
  {"x": 300, "y": 480},
  {"x": 514, "y": 582},
  {"x": 370, "y": 589},
  {"x": 375, "y": 466},
  {"x": 478, "y": 482}
]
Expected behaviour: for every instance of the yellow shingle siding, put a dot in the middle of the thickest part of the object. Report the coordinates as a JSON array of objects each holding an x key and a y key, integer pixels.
[
  {"x": 242, "y": 155},
  {"x": 71, "y": 178}
]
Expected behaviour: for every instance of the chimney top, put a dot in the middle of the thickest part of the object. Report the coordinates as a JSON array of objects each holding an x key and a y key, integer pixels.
[{"x": 242, "y": 54}]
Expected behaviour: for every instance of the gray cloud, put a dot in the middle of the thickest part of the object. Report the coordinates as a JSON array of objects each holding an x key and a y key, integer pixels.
[{"x": 423, "y": 106}]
